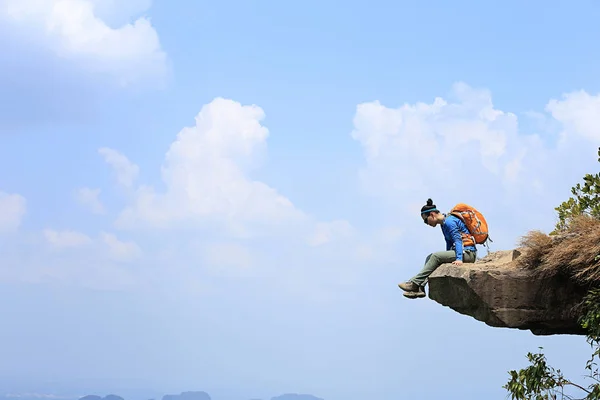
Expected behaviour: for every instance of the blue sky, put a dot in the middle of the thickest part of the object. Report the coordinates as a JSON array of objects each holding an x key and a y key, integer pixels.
[{"x": 223, "y": 196}]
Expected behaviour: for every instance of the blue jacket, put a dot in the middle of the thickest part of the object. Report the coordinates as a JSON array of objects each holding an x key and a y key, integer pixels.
[{"x": 452, "y": 227}]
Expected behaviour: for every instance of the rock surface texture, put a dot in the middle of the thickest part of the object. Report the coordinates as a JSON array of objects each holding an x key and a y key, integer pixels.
[{"x": 498, "y": 292}]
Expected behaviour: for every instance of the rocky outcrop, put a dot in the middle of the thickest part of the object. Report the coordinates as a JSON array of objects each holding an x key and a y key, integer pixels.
[{"x": 500, "y": 293}]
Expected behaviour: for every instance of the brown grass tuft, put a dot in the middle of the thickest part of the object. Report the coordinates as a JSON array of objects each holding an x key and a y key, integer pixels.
[
  {"x": 536, "y": 245},
  {"x": 575, "y": 252}
]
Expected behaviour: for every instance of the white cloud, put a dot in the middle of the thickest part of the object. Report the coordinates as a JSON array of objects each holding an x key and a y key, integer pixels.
[
  {"x": 90, "y": 198},
  {"x": 72, "y": 30},
  {"x": 12, "y": 210},
  {"x": 468, "y": 151},
  {"x": 326, "y": 232},
  {"x": 390, "y": 234},
  {"x": 126, "y": 172},
  {"x": 120, "y": 250},
  {"x": 228, "y": 259},
  {"x": 451, "y": 150},
  {"x": 107, "y": 246},
  {"x": 118, "y": 12},
  {"x": 579, "y": 112},
  {"x": 66, "y": 239},
  {"x": 206, "y": 174},
  {"x": 69, "y": 257},
  {"x": 409, "y": 148}
]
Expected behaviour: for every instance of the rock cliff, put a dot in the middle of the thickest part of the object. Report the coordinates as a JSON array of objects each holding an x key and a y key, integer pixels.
[{"x": 500, "y": 292}]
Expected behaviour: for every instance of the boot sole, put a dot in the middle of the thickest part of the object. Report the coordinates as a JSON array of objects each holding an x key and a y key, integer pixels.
[{"x": 414, "y": 295}]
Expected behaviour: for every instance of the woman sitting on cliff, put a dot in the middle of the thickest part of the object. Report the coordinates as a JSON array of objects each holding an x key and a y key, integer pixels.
[{"x": 456, "y": 252}]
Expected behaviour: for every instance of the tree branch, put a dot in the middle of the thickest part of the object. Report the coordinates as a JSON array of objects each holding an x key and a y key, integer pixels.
[{"x": 577, "y": 386}]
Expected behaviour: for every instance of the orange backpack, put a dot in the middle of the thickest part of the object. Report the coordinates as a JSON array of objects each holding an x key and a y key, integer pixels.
[{"x": 475, "y": 222}]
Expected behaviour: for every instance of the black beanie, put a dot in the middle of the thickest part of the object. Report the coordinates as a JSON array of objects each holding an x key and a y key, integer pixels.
[{"x": 428, "y": 207}]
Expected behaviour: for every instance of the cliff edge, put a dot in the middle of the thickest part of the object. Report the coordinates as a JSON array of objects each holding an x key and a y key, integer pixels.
[{"x": 538, "y": 286}]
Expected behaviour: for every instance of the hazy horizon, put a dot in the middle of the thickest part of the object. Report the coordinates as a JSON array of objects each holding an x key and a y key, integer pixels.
[{"x": 223, "y": 196}]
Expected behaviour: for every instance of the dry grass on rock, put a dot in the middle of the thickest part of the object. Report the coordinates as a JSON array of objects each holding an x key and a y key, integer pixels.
[{"x": 574, "y": 253}]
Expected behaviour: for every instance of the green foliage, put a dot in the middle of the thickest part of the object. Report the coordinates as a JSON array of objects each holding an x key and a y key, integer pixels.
[
  {"x": 586, "y": 200},
  {"x": 539, "y": 381}
]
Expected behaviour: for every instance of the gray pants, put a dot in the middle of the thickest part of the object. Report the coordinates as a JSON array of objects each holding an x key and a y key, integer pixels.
[{"x": 434, "y": 260}]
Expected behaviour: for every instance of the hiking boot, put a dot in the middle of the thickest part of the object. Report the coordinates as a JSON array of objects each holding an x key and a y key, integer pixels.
[
  {"x": 419, "y": 293},
  {"x": 409, "y": 286}
]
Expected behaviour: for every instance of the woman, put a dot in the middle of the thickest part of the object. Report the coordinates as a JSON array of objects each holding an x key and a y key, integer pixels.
[{"x": 456, "y": 252}]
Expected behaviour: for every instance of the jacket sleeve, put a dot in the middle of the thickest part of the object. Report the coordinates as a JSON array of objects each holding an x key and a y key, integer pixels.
[{"x": 456, "y": 238}]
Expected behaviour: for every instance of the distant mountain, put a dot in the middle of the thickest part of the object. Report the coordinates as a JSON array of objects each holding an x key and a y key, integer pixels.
[
  {"x": 295, "y": 396},
  {"x": 187, "y": 396},
  {"x": 96, "y": 397}
]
